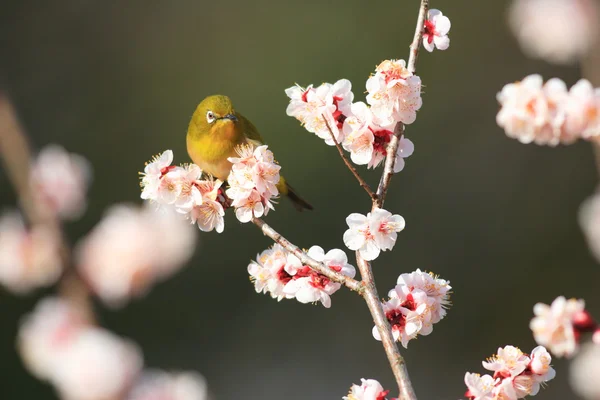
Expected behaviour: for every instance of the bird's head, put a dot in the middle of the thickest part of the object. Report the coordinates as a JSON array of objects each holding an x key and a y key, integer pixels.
[{"x": 214, "y": 114}]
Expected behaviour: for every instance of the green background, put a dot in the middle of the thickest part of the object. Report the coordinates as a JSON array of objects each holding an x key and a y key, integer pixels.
[{"x": 117, "y": 81}]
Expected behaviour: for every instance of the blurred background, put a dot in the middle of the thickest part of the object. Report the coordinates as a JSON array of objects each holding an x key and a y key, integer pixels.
[{"x": 117, "y": 82}]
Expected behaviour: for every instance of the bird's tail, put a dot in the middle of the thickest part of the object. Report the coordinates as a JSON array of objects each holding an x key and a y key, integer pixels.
[{"x": 298, "y": 202}]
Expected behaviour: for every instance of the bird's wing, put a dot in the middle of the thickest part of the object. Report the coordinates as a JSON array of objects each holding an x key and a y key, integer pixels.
[{"x": 250, "y": 130}]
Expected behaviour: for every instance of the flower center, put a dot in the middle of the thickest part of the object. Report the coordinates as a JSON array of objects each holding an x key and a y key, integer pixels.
[{"x": 429, "y": 31}]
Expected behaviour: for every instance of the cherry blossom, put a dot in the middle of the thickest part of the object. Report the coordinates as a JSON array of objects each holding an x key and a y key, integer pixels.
[
  {"x": 394, "y": 93},
  {"x": 436, "y": 289},
  {"x": 29, "y": 258},
  {"x": 583, "y": 110},
  {"x": 516, "y": 375},
  {"x": 310, "y": 105},
  {"x": 282, "y": 275},
  {"x": 369, "y": 389},
  {"x": 207, "y": 211},
  {"x": 131, "y": 249},
  {"x": 59, "y": 181},
  {"x": 371, "y": 234},
  {"x": 253, "y": 182},
  {"x": 153, "y": 172},
  {"x": 558, "y": 31},
  {"x": 308, "y": 286},
  {"x": 160, "y": 385},
  {"x": 435, "y": 33},
  {"x": 559, "y": 325},
  {"x": 480, "y": 387}
]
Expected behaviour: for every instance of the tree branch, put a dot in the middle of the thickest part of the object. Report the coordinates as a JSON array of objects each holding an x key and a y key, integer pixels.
[
  {"x": 360, "y": 180},
  {"x": 396, "y": 360},
  {"x": 350, "y": 283}
]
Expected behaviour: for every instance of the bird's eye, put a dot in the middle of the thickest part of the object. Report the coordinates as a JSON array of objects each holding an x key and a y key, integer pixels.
[{"x": 210, "y": 117}]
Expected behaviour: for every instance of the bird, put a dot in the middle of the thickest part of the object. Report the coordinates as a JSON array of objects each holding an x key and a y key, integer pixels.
[{"x": 214, "y": 133}]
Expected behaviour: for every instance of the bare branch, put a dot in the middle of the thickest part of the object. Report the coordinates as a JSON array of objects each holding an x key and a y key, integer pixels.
[
  {"x": 361, "y": 181},
  {"x": 416, "y": 43},
  {"x": 305, "y": 259}
]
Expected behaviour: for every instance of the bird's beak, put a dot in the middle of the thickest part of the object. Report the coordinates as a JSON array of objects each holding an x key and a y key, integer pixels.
[{"x": 230, "y": 116}]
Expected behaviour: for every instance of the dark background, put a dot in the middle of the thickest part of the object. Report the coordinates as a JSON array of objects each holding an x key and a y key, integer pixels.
[{"x": 117, "y": 81}]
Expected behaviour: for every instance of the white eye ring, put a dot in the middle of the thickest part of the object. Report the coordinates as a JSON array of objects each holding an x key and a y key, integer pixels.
[{"x": 210, "y": 117}]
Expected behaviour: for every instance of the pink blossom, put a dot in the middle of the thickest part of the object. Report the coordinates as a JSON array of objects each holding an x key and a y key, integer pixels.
[
  {"x": 311, "y": 105},
  {"x": 508, "y": 362},
  {"x": 480, "y": 387},
  {"x": 59, "y": 180},
  {"x": 253, "y": 182},
  {"x": 435, "y": 33},
  {"x": 369, "y": 389},
  {"x": 583, "y": 110},
  {"x": 45, "y": 333},
  {"x": 160, "y": 385},
  {"x": 29, "y": 258},
  {"x": 272, "y": 271},
  {"x": 394, "y": 93},
  {"x": 308, "y": 286},
  {"x": 437, "y": 290},
  {"x": 372, "y": 233},
  {"x": 131, "y": 249},
  {"x": 558, "y": 326},
  {"x": 558, "y": 31},
  {"x": 153, "y": 172}
]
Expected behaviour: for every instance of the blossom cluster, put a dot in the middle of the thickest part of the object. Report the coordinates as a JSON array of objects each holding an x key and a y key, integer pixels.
[
  {"x": 418, "y": 301},
  {"x": 560, "y": 325},
  {"x": 30, "y": 256},
  {"x": 281, "y": 274},
  {"x": 548, "y": 113},
  {"x": 129, "y": 250},
  {"x": 59, "y": 344},
  {"x": 252, "y": 182},
  {"x": 516, "y": 375},
  {"x": 558, "y": 31},
  {"x": 394, "y": 96},
  {"x": 373, "y": 233},
  {"x": 369, "y": 389},
  {"x": 252, "y": 185}
]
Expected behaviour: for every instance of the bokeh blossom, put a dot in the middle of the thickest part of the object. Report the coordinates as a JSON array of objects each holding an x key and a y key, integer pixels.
[
  {"x": 418, "y": 301},
  {"x": 310, "y": 105},
  {"x": 29, "y": 257},
  {"x": 547, "y": 113},
  {"x": 589, "y": 221},
  {"x": 161, "y": 385},
  {"x": 131, "y": 249},
  {"x": 516, "y": 375},
  {"x": 558, "y": 31},
  {"x": 559, "y": 326},
  {"x": 585, "y": 370},
  {"x": 435, "y": 32},
  {"x": 59, "y": 181},
  {"x": 369, "y": 389},
  {"x": 373, "y": 233},
  {"x": 282, "y": 275},
  {"x": 60, "y": 345}
]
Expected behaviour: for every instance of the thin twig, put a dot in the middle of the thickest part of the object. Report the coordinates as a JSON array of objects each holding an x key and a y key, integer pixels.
[
  {"x": 361, "y": 181},
  {"x": 305, "y": 259},
  {"x": 396, "y": 360},
  {"x": 397, "y": 363}
]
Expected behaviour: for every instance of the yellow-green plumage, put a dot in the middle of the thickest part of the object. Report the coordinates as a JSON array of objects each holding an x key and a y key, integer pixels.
[{"x": 213, "y": 134}]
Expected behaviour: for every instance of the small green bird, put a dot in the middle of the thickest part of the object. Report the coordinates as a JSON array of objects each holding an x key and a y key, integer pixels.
[{"x": 213, "y": 134}]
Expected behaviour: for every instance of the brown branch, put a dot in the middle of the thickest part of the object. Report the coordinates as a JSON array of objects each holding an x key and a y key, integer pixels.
[
  {"x": 305, "y": 259},
  {"x": 396, "y": 360},
  {"x": 397, "y": 363},
  {"x": 360, "y": 180}
]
